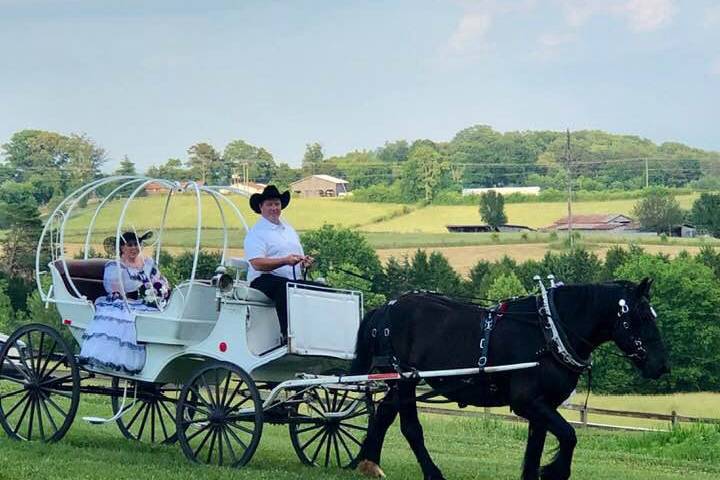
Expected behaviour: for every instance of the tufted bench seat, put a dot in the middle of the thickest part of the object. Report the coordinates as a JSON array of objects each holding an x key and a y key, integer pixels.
[{"x": 86, "y": 275}]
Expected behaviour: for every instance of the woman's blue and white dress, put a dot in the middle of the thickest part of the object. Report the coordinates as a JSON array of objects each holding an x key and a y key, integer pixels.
[{"x": 110, "y": 340}]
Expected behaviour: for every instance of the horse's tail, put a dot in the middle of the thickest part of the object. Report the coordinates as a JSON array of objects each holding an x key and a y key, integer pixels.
[{"x": 364, "y": 346}]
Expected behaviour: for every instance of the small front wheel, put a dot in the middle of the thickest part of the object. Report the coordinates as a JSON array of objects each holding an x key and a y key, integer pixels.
[
  {"x": 39, "y": 384},
  {"x": 330, "y": 425},
  {"x": 149, "y": 412},
  {"x": 220, "y": 416}
]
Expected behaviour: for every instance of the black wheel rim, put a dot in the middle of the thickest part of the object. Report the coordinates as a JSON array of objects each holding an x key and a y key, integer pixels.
[
  {"x": 330, "y": 426},
  {"x": 39, "y": 384},
  {"x": 151, "y": 417},
  {"x": 219, "y": 416}
]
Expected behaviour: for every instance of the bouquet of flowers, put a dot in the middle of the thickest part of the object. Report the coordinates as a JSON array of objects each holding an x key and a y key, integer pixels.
[{"x": 155, "y": 290}]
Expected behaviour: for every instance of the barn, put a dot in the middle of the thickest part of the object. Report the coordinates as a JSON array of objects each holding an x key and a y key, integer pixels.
[{"x": 320, "y": 186}]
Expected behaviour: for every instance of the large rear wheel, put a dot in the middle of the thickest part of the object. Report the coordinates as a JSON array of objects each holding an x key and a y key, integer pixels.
[
  {"x": 39, "y": 384},
  {"x": 219, "y": 416},
  {"x": 330, "y": 426}
]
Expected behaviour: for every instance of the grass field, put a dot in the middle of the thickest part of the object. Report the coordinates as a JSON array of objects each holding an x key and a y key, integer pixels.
[
  {"x": 464, "y": 448},
  {"x": 433, "y": 219}
]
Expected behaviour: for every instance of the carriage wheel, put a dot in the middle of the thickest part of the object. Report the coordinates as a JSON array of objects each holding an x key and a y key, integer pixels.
[
  {"x": 39, "y": 384},
  {"x": 330, "y": 426},
  {"x": 151, "y": 418},
  {"x": 219, "y": 416}
]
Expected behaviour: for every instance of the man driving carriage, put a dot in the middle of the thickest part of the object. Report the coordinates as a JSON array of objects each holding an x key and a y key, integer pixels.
[{"x": 273, "y": 250}]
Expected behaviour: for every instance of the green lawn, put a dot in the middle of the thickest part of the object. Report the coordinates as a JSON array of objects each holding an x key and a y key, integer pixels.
[{"x": 463, "y": 448}]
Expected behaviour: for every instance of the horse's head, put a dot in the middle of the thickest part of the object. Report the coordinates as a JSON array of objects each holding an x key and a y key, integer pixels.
[{"x": 636, "y": 332}]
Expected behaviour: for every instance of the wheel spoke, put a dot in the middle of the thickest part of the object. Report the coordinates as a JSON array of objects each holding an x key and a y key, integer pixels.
[
  {"x": 350, "y": 436},
  {"x": 14, "y": 407},
  {"x": 32, "y": 416},
  {"x": 241, "y": 428},
  {"x": 354, "y": 427},
  {"x": 319, "y": 447},
  {"x": 55, "y": 380},
  {"x": 13, "y": 393},
  {"x": 135, "y": 416},
  {"x": 342, "y": 441},
  {"x": 47, "y": 359},
  {"x": 22, "y": 415},
  {"x": 212, "y": 444},
  {"x": 312, "y": 439},
  {"x": 202, "y": 444},
  {"x": 229, "y": 445},
  {"x": 195, "y": 408},
  {"x": 39, "y": 418},
  {"x": 143, "y": 422},
  {"x": 235, "y": 391},
  {"x": 327, "y": 449},
  {"x": 225, "y": 388},
  {"x": 196, "y": 391},
  {"x": 162, "y": 420},
  {"x": 30, "y": 349},
  {"x": 153, "y": 405},
  {"x": 337, "y": 450},
  {"x": 307, "y": 429},
  {"x": 15, "y": 380},
  {"x": 207, "y": 388},
  {"x": 237, "y": 439},
  {"x": 47, "y": 414},
  {"x": 57, "y": 407},
  {"x": 198, "y": 432}
]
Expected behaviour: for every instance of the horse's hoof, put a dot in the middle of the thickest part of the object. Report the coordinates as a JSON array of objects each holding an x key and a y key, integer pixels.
[
  {"x": 552, "y": 472},
  {"x": 370, "y": 469}
]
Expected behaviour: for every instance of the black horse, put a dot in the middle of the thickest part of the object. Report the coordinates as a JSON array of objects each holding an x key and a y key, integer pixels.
[{"x": 431, "y": 332}]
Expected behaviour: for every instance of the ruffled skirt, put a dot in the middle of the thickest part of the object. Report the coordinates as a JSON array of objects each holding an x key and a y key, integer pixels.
[{"x": 110, "y": 341}]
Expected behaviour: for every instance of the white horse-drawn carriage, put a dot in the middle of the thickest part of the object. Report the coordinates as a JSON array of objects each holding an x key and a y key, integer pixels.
[{"x": 215, "y": 368}]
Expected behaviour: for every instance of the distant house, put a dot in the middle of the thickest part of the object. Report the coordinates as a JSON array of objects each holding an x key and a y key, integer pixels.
[
  {"x": 488, "y": 228},
  {"x": 320, "y": 186},
  {"x": 613, "y": 222},
  {"x": 155, "y": 188},
  {"x": 502, "y": 190}
]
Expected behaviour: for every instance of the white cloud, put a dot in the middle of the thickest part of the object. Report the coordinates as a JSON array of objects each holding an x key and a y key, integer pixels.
[
  {"x": 642, "y": 15},
  {"x": 471, "y": 32},
  {"x": 550, "y": 44},
  {"x": 648, "y": 15},
  {"x": 712, "y": 17}
]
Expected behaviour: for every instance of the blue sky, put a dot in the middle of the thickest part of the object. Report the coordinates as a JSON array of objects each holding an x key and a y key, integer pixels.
[{"x": 149, "y": 79}]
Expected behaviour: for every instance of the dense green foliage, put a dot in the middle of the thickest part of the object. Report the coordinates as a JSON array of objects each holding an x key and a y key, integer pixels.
[
  {"x": 492, "y": 208},
  {"x": 658, "y": 211},
  {"x": 705, "y": 213}
]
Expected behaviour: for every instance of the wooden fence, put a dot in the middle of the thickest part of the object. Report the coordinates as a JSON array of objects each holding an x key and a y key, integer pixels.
[{"x": 673, "y": 419}]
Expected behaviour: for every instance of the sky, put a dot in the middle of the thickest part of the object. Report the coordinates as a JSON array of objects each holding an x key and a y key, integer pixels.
[{"x": 150, "y": 79}]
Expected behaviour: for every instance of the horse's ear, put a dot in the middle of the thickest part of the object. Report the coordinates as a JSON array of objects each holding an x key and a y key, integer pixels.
[{"x": 643, "y": 289}]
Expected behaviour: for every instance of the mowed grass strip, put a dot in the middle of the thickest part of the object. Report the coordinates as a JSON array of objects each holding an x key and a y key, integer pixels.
[
  {"x": 302, "y": 213},
  {"x": 433, "y": 219},
  {"x": 464, "y": 448}
]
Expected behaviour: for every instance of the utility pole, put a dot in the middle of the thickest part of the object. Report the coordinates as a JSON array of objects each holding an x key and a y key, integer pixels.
[{"x": 569, "y": 186}]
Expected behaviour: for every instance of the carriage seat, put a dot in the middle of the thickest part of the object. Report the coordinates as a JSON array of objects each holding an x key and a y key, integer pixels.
[
  {"x": 244, "y": 293},
  {"x": 87, "y": 276}
]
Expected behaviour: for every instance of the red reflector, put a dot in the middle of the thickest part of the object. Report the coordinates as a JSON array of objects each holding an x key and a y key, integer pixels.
[
  {"x": 67, "y": 322},
  {"x": 384, "y": 376},
  {"x": 222, "y": 347}
]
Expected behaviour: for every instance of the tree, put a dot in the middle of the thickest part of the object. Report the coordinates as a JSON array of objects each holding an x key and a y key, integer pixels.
[
  {"x": 705, "y": 213},
  {"x": 126, "y": 167},
  {"x": 393, "y": 152},
  {"x": 85, "y": 158},
  {"x": 492, "y": 208},
  {"x": 206, "y": 163},
  {"x": 424, "y": 173},
  {"x": 19, "y": 215},
  {"x": 313, "y": 157},
  {"x": 506, "y": 286},
  {"x": 260, "y": 162},
  {"x": 658, "y": 210},
  {"x": 171, "y": 170}
]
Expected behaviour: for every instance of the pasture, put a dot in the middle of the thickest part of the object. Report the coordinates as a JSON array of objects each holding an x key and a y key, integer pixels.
[{"x": 479, "y": 449}]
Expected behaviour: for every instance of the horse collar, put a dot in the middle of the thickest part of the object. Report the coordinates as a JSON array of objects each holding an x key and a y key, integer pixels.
[{"x": 554, "y": 336}]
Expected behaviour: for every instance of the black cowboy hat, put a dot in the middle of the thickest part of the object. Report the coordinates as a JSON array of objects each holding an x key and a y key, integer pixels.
[{"x": 271, "y": 191}]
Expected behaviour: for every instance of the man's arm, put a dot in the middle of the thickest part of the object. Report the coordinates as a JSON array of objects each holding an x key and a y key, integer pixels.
[{"x": 267, "y": 264}]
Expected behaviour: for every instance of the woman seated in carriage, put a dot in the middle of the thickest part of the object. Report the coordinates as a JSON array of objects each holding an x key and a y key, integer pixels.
[{"x": 110, "y": 341}]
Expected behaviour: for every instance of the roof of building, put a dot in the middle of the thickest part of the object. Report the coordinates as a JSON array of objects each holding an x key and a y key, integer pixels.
[
  {"x": 596, "y": 218},
  {"x": 328, "y": 178}
]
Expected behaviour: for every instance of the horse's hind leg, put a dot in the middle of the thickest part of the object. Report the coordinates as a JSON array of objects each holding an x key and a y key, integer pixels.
[
  {"x": 413, "y": 432},
  {"x": 368, "y": 459},
  {"x": 533, "y": 451}
]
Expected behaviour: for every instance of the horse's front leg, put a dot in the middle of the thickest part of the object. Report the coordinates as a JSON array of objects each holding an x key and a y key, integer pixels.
[
  {"x": 413, "y": 432},
  {"x": 368, "y": 460},
  {"x": 533, "y": 451},
  {"x": 538, "y": 412}
]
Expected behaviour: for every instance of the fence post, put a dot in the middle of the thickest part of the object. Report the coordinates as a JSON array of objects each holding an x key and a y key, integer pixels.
[
  {"x": 584, "y": 416},
  {"x": 674, "y": 420}
]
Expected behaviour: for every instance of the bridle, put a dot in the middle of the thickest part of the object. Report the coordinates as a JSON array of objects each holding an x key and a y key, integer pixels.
[{"x": 624, "y": 333}]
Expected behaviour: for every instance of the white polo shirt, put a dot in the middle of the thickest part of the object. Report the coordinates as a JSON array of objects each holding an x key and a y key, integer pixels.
[{"x": 267, "y": 240}]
